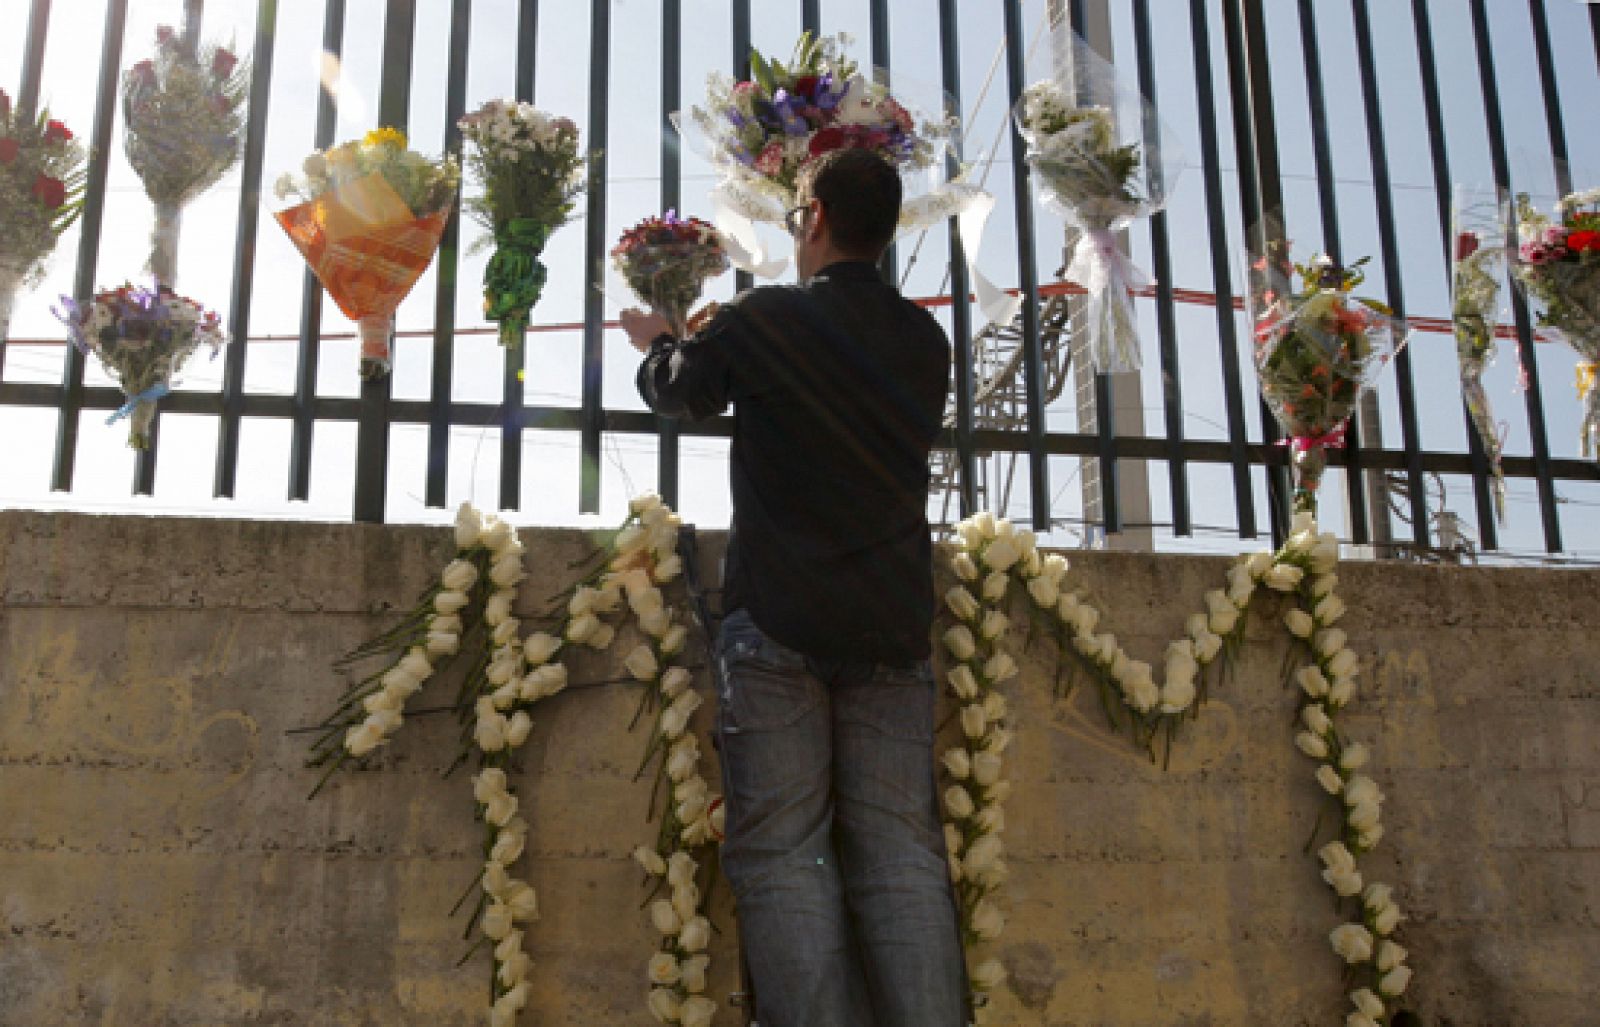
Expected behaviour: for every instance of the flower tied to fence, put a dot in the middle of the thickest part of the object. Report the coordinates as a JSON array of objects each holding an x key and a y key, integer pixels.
[{"x": 514, "y": 278}]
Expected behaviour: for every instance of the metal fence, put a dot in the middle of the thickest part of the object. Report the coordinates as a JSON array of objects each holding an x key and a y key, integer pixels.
[{"x": 1231, "y": 61}]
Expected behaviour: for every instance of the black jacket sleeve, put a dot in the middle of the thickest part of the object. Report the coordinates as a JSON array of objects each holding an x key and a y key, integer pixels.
[{"x": 696, "y": 378}]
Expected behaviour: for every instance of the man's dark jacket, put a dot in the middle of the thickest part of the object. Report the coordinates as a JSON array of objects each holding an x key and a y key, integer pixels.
[{"x": 838, "y": 388}]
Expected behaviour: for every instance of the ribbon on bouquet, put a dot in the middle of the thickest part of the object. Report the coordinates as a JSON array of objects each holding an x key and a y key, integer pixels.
[
  {"x": 999, "y": 307},
  {"x": 150, "y": 395},
  {"x": 1109, "y": 276},
  {"x": 730, "y": 212},
  {"x": 1306, "y": 443}
]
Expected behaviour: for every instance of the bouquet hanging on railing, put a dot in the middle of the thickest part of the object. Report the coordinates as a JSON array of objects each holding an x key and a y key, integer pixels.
[
  {"x": 370, "y": 222},
  {"x": 1088, "y": 146},
  {"x": 1476, "y": 263},
  {"x": 41, "y": 195},
  {"x": 531, "y": 170},
  {"x": 1317, "y": 349},
  {"x": 667, "y": 260},
  {"x": 184, "y": 115},
  {"x": 1558, "y": 263},
  {"x": 143, "y": 336}
]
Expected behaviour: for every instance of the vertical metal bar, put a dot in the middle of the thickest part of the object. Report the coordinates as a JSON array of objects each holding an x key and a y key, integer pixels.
[
  {"x": 1221, "y": 261},
  {"x": 309, "y": 350},
  {"x": 1393, "y": 283},
  {"x": 1105, "y": 423},
  {"x": 811, "y": 16},
  {"x": 878, "y": 28},
  {"x": 1260, "y": 186},
  {"x": 94, "y": 209},
  {"x": 1533, "y": 395},
  {"x": 1328, "y": 207},
  {"x": 1488, "y": 534},
  {"x": 513, "y": 415},
  {"x": 1553, "y": 120},
  {"x": 740, "y": 15},
  {"x": 244, "y": 253},
  {"x": 960, "y": 308},
  {"x": 372, "y": 421},
  {"x": 1161, "y": 261},
  {"x": 33, "y": 59},
  {"x": 671, "y": 199},
  {"x": 144, "y": 461},
  {"x": 444, "y": 316},
  {"x": 1033, "y": 364},
  {"x": 593, "y": 262}
]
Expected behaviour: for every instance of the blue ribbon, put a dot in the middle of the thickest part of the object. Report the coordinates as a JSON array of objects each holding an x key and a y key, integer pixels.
[{"x": 149, "y": 395}]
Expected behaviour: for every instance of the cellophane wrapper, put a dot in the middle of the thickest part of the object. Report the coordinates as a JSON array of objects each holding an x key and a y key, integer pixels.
[
  {"x": 667, "y": 261},
  {"x": 1477, "y": 262}
]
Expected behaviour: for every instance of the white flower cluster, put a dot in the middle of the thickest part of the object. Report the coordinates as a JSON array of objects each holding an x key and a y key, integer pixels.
[
  {"x": 645, "y": 558},
  {"x": 508, "y": 126},
  {"x": 988, "y": 553},
  {"x": 510, "y": 901},
  {"x": 1306, "y": 567}
]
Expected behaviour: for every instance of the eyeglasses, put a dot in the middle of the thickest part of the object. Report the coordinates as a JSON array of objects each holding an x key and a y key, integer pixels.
[{"x": 794, "y": 218}]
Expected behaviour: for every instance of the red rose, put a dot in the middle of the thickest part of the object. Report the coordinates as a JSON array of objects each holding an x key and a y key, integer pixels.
[
  {"x": 222, "y": 63},
  {"x": 806, "y": 85},
  {"x": 52, "y": 192},
  {"x": 1466, "y": 245},
  {"x": 9, "y": 148},
  {"x": 1583, "y": 239},
  {"x": 5, "y": 104},
  {"x": 146, "y": 71},
  {"x": 827, "y": 139},
  {"x": 56, "y": 132}
]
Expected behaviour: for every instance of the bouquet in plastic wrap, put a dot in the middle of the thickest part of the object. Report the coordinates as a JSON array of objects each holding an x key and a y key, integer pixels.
[
  {"x": 1317, "y": 349},
  {"x": 143, "y": 336},
  {"x": 1085, "y": 134},
  {"x": 530, "y": 168},
  {"x": 666, "y": 262},
  {"x": 184, "y": 116},
  {"x": 370, "y": 221},
  {"x": 41, "y": 195},
  {"x": 1476, "y": 264},
  {"x": 1558, "y": 263}
]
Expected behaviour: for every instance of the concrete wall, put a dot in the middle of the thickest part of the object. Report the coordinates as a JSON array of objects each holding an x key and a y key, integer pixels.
[{"x": 159, "y": 863}]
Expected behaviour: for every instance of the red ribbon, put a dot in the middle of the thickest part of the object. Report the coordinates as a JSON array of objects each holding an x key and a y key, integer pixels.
[{"x": 1303, "y": 443}]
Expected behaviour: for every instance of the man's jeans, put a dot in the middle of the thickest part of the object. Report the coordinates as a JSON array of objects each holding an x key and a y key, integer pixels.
[{"x": 834, "y": 846}]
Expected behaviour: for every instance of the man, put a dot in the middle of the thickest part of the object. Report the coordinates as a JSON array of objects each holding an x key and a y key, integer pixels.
[{"x": 825, "y": 716}]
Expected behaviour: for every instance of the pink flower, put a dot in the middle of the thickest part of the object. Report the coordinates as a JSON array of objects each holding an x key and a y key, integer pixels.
[
  {"x": 56, "y": 132},
  {"x": 52, "y": 192},
  {"x": 145, "y": 72},
  {"x": 223, "y": 62},
  {"x": 9, "y": 148},
  {"x": 770, "y": 161},
  {"x": 5, "y": 104},
  {"x": 218, "y": 104},
  {"x": 165, "y": 35}
]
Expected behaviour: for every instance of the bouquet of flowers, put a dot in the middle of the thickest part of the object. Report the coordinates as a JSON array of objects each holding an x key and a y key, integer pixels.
[
  {"x": 41, "y": 195},
  {"x": 370, "y": 219},
  {"x": 1558, "y": 263},
  {"x": 666, "y": 261},
  {"x": 143, "y": 336},
  {"x": 1100, "y": 178},
  {"x": 184, "y": 111},
  {"x": 1316, "y": 351},
  {"x": 1474, "y": 303},
  {"x": 531, "y": 170}
]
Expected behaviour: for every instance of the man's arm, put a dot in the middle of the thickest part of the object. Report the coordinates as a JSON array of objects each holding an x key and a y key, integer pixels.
[{"x": 692, "y": 379}]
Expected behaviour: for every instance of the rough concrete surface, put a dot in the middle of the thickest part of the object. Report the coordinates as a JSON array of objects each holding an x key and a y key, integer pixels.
[{"x": 159, "y": 863}]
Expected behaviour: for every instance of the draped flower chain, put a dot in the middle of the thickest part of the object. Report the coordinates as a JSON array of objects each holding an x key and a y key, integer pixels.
[{"x": 990, "y": 554}]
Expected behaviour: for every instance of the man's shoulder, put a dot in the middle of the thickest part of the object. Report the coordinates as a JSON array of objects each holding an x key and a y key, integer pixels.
[{"x": 768, "y": 297}]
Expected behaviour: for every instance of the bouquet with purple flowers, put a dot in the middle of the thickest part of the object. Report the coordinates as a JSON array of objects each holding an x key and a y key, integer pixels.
[
  {"x": 666, "y": 261},
  {"x": 143, "y": 336}
]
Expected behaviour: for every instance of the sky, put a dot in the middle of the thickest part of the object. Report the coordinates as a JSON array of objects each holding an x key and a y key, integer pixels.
[{"x": 550, "y": 479}]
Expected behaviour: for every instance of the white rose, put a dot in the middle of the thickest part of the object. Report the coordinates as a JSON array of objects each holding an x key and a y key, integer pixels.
[
  {"x": 1354, "y": 756},
  {"x": 994, "y": 625},
  {"x": 696, "y": 1011},
  {"x": 383, "y": 699},
  {"x": 517, "y": 728},
  {"x": 984, "y": 852},
  {"x": 1315, "y": 718},
  {"x": 1085, "y": 620},
  {"x": 450, "y": 623},
  {"x": 1329, "y": 641},
  {"x": 673, "y": 641},
  {"x": 1368, "y": 839},
  {"x": 508, "y": 846},
  {"x": 1054, "y": 568},
  {"x": 1362, "y": 789},
  {"x": 1366, "y": 1002},
  {"x": 1344, "y": 882},
  {"x": 995, "y": 707},
  {"x": 986, "y": 768},
  {"x": 663, "y": 969},
  {"x": 1328, "y": 609},
  {"x": 682, "y": 763},
  {"x": 957, "y": 763},
  {"x": 498, "y": 536},
  {"x": 507, "y": 570},
  {"x": 960, "y": 642},
  {"x": 1312, "y": 745},
  {"x": 458, "y": 575},
  {"x": 505, "y": 632},
  {"x": 685, "y": 900},
  {"x": 1283, "y": 577},
  {"x": 1340, "y": 692},
  {"x": 362, "y": 739},
  {"x": 667, "y": 568},
  {"x": 1323, "y": 585},
  {"x": 990, "y": 820},
  {"x": 488, "y": 782},
  {"x": 1000, "y": 554},
  {"x": 999, "y": 667},
  {"x": 500, "y": 808},
  {"x": 1337, "y": 857},
  {"x": 1299, "y": 623},
  {"x": 675, "y": 681},
  {"x": 498, "y": 609},
  {"x": 680, "y": 870},
  {"x": 508, "y": 946},
  {"x": 1343, "y": 664},
  {"x": 987, "y": 975},
  {"x": 1207, "y": 646},
  {"x": 1385, "y": 921},
  {"x": 543, "y": 681},
  {"x": 469, "y": 524},
  {"x": 1393, "y": 984},
  {"x": 962, "y": 564},
  {"x": 664, "y": 918},
  {"x": 987, "y": 921},
  {"x": 646, "y": 602},
  {"x": 443, "y": 643},
  {"x": 1000, "y": 791},
  {"x": 1304, "y": 522},
  {"x": 449, "y": 601},
  {"x": 961, "y": 603},
  {"x": 974, "y": 722},
  {"x": 995, "y": 586},
  {"x": 497, "y": 920},
  {"x": 694, "y": 972},
  {"x": 962, "y": 682},
  {"x": 650, "y": 861},
  {"x": 1311, "y": 682},
  {"x": 514, "y": 969},
  {"x": 1044, "y": 591},
  {"x": 538, "y": 647},
  {"x": 1377, "y": 897},
  {"x": 1360, "y": 1020},
  {"x": 1328, "y": 777},
  {"x": 582, "y": 628},
  {"x": 996, "y": 740},
  {"x": 958, "y": 802},
  {"x": 1177, "y": 694},
  {"x": 1324, "y": 555},
  {"x": 1352, "y": 942},
  {"x": 602, "y": 637},
  {"x": 1258, "y": 563},
  {"x": 664, "y": 1004},
  {"x": 695, "y": 935},
  {"x": 1240, "y": 587},
  {"x": 641, "y": 663},
  {"x": 490, "y": 733},
  {"x": 1389, "y": 956},
  {"x": 1223, "y": 614}
]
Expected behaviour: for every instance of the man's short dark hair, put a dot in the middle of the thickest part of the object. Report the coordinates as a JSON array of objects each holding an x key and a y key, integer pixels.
[{"x": 861, "y": 193}]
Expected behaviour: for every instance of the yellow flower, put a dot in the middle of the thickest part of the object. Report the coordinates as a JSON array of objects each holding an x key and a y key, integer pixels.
[{"x": 386, "y": 136}]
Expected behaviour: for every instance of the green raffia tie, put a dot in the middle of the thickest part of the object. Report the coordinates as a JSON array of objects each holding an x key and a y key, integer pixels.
[{"x": 514, "y": 278}]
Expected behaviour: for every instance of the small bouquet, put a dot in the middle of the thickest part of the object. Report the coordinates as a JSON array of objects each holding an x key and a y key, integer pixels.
[
  {"x": 1316, "y": 351},
  {"x": 184, "y": 112},
  {"x": 531, "y": 171},
  {"x": 41, "y": 195},
  {"x": 1100, "y": 179},
  {"x": 666, "y": 261},
  {"x": 370, "y": 221},
  {"x": 1475, "y": 270},
  {"x": 143, "y": 336},
  {"x": 1558, "y": 263}
]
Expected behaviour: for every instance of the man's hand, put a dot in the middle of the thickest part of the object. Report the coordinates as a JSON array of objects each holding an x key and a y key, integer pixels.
[{"x": 643, "y": 328}]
